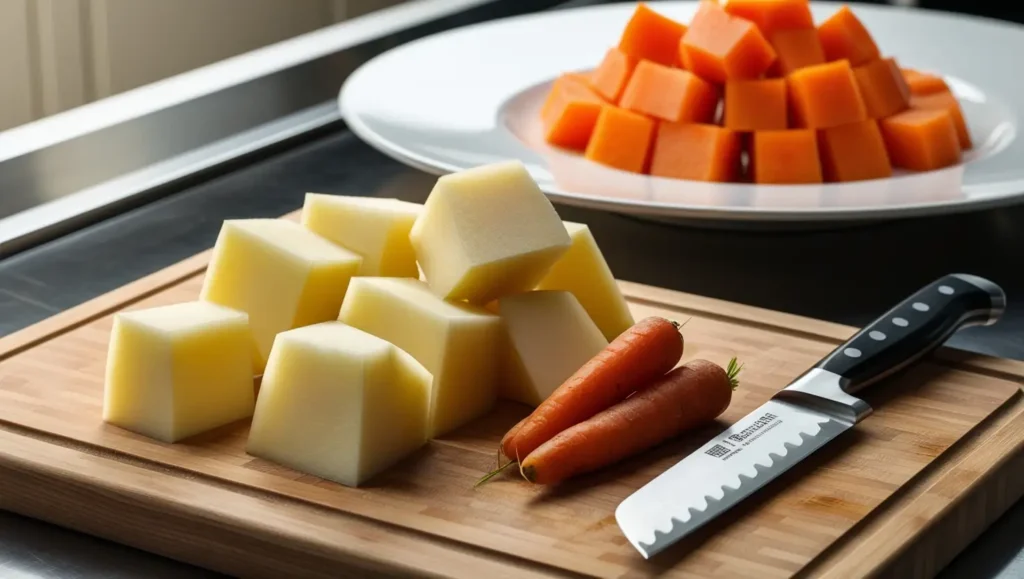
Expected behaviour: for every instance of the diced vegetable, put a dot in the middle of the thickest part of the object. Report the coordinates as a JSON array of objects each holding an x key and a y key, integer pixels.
[
  {"x": 756, "y": 105},
  {"x": 457, "y": 343},
  {"x": 789, "y": 156},
  {"x": 670, "y": 94},
  {"x": 375, "y": 228},
  {"x": 178, "y": 370},
  {"x": 651, "y": 36},
  {"x": 945, "y": 101},
  {"x": 280, "y": 273},
  {"x": 882, "y": 87},
  {"x": 549, "y": 336},
  {"x": 621, "y": 139},
  {"x": 719, "y": 47},
  {"x": 584, "y": 272},
  {"x": 570, "y": 113},
  {"x": 854, "y": 152},
  {"x": 771, "y": 16},
  {"x": 922, "y": 139},
  {"x": 746, "y": 66},
  {"x": 611, "y": 76},
  {"x": 486, "y": 232},
  {"x": 795, "y": 49},
  {"x": 696, "y": 152},
  {"x": 923, "y": 84},
  {"x": 339, "y": 404},
  {"x": 844, "y": 37},
  {"x": 826, "y": 95}
]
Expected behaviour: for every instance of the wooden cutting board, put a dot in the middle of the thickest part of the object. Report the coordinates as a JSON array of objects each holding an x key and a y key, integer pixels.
[{"x": 938, "y": 461}]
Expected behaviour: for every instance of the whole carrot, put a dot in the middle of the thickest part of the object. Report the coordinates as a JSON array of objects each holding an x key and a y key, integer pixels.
[
  {"x": 689, "y": 396},
  {"x": 630, "y": 362}
]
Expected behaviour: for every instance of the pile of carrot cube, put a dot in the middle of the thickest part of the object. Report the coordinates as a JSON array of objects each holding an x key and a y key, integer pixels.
[{"x": 753, "y": 91}]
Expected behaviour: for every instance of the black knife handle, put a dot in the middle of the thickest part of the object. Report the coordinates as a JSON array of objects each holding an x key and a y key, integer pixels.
[{"x": 915, "y": 327}]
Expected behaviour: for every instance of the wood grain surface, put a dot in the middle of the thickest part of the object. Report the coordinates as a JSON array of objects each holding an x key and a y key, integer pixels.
[{"x": 902, "y": 493}]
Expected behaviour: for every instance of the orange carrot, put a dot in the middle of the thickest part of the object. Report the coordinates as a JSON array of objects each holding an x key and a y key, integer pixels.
[
  {"x": 795, "y": 49},
  {"x": 631, "y": 361},
  {"x": 882, "y": 86},
  {"x": 921, "y": 139},
  {"x": 844, "y": 37},
  {"x": 825, "y": 95},
  {"x": 719, "y": 47},
  {"x": 570, "y": 112},
  {"x": 853, "y": 152},
  {"x": 696, "y": 152},
  {"x": 621, "y": 139},
  {"x": 649, "y": 35},
  {"x": 610, "y": 77},
  {"x": 923, "y": 84},
  {"x": 688, "y": 397}
]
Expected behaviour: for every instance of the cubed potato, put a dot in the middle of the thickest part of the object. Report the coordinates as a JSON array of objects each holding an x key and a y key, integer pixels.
[
  {"x": 176, "y": 371},
  {"x": 281, "y": 274},
  {"x": 339, "y": 404},
  {"x": 487, "y": 232},
  {"x": 457, "y": 343},
  {"x": 549, "y": 337},
  {"x": 584, "y": 272},
  {"x": 375, "y": 228}
]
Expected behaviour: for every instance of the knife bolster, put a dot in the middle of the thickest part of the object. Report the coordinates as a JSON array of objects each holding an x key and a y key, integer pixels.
[{"x": 823, "y": 391}]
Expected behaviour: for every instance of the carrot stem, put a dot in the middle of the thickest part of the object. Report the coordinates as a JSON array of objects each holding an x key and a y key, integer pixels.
[
  {"x": 732, "y": 371},
  {"x": 494, "y": 473}
]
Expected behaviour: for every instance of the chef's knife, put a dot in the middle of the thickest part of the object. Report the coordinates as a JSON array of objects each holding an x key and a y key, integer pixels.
[{"x": 804, "y": 416}]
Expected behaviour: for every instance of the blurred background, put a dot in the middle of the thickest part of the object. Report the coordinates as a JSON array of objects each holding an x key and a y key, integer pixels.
[{"x": 59, "y": 54}]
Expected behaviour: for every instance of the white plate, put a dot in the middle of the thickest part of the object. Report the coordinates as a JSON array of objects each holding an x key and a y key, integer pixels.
[{"x": 470, "y": 96}]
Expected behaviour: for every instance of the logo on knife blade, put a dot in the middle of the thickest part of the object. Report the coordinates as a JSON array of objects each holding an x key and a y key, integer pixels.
[{"x": 764, "y": 420}]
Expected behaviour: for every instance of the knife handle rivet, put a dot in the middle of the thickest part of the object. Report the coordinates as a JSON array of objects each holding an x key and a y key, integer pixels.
[
  {"x": 945, "y": 290},
  {"x": 852, "y": 352},
  {"x": 877, "y": 336},
  {"x": 920, "y": 306},
  {"x": 900, "y": 322}
]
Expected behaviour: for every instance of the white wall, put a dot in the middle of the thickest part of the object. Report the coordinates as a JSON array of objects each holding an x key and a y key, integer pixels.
[{"x": 58, "y": 54}]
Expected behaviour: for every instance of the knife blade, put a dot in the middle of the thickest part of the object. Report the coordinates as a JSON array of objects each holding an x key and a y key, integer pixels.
[{"x": 804, "y": 416}]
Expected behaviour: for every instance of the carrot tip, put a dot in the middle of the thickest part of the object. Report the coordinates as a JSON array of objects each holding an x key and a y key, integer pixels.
[
  {"x": 679, "y": 326},
  {"x": 528, "y": 472}
]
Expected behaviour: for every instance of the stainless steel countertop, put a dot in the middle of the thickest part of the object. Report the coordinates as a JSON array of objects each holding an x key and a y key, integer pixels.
[{"x": 793, "y": 272}]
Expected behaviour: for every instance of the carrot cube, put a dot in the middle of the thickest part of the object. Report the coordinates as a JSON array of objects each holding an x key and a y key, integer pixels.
[
  {"x": 650, "y": 36},
  {"x": 924, "y": 84},
  {"x": 882, "y": 87},
  {"x": 853, "y": 152},
  {"x": 696, "y": 152},
  {"x": 773, "y": 15},
  {"x": 947, "y": 102},
  {"x": 621, "y": 139},
  {"x": 755, "y": 105},
  {"x": 795, "y": 49},
  {"x": 720, "y": 47},
  {"x": 785, "y": 157},
  {"x": 921, "y": 140},
  {"x": 570, "y": 112},
  {"x": 610, "y": 77},
  {"x": 670, "y": 94},
  {"x": 826, "y": 95},
  {"x": 843, "y": 36}
]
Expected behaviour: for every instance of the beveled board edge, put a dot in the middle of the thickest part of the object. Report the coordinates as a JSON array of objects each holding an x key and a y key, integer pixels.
[
  {"x": 220, "y": 526},
  {"x": 51, "y": 488}
]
